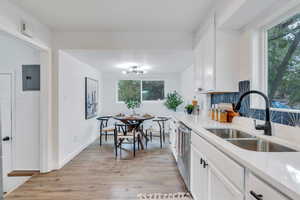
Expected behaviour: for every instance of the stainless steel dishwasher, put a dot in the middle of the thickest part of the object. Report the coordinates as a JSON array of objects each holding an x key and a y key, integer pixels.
[{"x": 184, "y": 152}]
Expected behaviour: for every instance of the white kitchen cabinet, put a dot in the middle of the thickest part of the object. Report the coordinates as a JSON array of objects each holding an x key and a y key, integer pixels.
[
  {"x": 199, "y": 178},
  {"x": 258, "y": 190},
  {"x": 213, "y": 175},
  {"x": 220, "y": 187},
  {"x": 216, "y": 58}
]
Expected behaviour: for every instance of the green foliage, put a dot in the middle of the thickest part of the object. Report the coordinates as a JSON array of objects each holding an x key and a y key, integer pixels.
[
  {"x": 189, "y": 108},
  {"x": 173, "y": 100},
  {"x": 132, "y": 103},
  {"x": 129, "y": 90},
  {"x": 153, "y": 90},
  {"x": 284, "y": 62}
]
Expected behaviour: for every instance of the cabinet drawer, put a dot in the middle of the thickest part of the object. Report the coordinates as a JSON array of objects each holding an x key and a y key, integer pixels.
[
  {"x": 229, "y": 168},
  {"x": 256, "y": 187}
]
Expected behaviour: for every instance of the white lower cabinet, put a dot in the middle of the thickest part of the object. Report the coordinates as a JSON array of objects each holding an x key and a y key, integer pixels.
[
  {"x": 208, "y": 181},
  {"x": 219, "y": 187},
  {"x": 258, "y": 190},
  {"x": 199, "y": 175}
]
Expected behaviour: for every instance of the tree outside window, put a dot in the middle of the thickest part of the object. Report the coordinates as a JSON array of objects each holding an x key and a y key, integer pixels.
[
  {"x": 284, "y": 64},
  {"x": 153, "y": 90},
  {"x": 140, "y": 90},
  {"x": 129, "y": 89}
]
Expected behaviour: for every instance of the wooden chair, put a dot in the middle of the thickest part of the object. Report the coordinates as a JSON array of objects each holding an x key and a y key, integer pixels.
[
  {"x": 104, "y": 128},
  {"x": 161, "y": 133},
  {"x": 126, "y": 133}
]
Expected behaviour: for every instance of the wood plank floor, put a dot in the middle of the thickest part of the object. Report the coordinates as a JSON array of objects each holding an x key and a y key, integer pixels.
[{"x": 95, "y": 175}]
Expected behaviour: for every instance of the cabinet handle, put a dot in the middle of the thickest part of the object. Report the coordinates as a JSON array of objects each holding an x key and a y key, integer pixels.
[
  {"x": 201, "y": 161},
  {"x": 205, "y": 164},
  {"x": 256, "y": 196}
]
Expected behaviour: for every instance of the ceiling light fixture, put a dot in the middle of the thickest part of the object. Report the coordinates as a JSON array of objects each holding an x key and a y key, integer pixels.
[{"x": 134, "y": 70}]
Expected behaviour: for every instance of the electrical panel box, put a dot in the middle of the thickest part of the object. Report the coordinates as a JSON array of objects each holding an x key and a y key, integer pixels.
[{"x": 31, "y": 77}]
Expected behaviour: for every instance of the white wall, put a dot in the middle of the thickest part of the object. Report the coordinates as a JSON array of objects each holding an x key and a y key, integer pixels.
[
  {"x": 14, "y": 53},
  {"x": 10, "y": 20},
  {"x": 110, "y": 105},
  {"x": 187, "y": 85},
  {"x": 75, "y": 133}
]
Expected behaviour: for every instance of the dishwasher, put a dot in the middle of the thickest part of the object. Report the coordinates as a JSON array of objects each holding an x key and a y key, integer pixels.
[{"x": 184, "y": 152}]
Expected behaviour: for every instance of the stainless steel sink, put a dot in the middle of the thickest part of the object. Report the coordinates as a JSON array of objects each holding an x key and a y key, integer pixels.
[
  {"x": 230, "y": 133},
  {"x": 249, "y": 142},
  {"x": 260, "y": 145}
]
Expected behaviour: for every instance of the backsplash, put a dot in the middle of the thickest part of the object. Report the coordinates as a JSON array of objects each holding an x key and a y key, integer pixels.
[{"x": 286, "y": 118}]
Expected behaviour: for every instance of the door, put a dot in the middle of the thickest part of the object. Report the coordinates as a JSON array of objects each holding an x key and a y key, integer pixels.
[
  {"x": 219, "y": 187},
  {"x": 199, "y": 179},
  {"x": 6, "y": 125}
]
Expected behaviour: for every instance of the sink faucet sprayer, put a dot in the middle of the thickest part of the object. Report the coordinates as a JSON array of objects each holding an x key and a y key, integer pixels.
[{"x": 265, "y": 127}]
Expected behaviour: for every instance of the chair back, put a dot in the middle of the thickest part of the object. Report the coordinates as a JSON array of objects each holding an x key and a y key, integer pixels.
[
  {"x": 103, "y": 121},
  {"x": 126, "y": 127}
]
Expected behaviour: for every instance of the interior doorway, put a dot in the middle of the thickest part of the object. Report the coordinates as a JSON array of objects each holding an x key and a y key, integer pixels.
[{"x": 6, "y": 95}]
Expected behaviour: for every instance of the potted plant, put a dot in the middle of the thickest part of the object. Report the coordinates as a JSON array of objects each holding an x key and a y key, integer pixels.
[
  {"x": 132, "y": 104},
  {"x": 173, "y": 100},
  {"x": 189, "y": 108}
]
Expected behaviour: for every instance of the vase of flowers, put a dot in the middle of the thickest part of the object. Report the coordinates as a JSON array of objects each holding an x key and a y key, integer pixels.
[{"x": 132, "y": 104}]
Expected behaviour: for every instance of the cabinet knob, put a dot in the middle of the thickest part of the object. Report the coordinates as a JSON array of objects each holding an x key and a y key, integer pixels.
[
  {"x": 256, "y": 196},
  {"x": 6, "y": 138}
]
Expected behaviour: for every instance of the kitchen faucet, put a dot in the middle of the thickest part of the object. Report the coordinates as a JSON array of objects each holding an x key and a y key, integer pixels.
[{"x": 265, "y": 127}]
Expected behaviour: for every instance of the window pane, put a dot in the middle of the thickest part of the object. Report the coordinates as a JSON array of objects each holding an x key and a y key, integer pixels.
[
  {"x": 284, "y": 64},
  {"x": 153, "y": 90},
  {"x": 129, "y": 89}
]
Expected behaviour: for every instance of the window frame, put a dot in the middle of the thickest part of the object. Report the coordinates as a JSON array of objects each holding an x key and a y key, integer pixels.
[
  {"x": 259, "y": 58},
  {"x": 141, "y": 90}
]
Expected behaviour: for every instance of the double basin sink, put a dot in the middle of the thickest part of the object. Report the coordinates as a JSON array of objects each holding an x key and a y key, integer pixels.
[{"x": 249, "y": 142}]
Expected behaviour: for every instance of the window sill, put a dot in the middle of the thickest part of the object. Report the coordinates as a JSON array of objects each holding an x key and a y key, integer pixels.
[{"x": 278, "y": 109}]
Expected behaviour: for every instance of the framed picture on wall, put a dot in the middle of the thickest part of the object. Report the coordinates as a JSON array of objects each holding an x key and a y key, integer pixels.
[{"x": 91, "y": 98}]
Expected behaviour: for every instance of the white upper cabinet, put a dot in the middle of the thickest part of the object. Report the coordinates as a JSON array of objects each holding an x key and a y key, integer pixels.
[{"x": 216, "y": 57}]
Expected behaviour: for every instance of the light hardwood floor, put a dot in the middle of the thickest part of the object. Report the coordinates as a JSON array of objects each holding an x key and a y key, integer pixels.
[{"x": 95, "y": 175}]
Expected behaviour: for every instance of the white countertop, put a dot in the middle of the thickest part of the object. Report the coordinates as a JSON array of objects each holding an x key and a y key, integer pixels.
[{"x": 279, "y": 169}]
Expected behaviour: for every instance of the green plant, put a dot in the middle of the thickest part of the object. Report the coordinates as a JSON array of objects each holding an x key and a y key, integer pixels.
[
  {"x": 189, "y": 108},
  {"x": 132, "y": 103},
  {"x": 173, "y": 100}
]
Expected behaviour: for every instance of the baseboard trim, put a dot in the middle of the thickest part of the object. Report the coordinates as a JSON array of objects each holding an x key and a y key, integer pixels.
[{"x": 75, "y": 153}]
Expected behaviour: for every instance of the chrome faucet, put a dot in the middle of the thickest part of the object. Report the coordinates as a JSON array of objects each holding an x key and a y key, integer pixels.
[{"x": 265, "y": 127}]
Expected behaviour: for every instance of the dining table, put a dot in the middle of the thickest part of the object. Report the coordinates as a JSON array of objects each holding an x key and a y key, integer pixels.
[{"x": 139, "y": 119}]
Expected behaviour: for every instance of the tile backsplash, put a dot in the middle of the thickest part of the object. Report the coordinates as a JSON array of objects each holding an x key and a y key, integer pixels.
[{"x": 286, "y": 118}]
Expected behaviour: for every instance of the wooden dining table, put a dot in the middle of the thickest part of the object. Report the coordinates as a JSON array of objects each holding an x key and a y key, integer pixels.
[{"x": 139, "y": 119}]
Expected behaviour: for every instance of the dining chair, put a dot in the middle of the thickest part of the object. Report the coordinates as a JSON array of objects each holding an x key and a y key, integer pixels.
[
  {"x": 104, "y": 127},
  {"x": 126, "y": 133},
  {"x": 160, "y": 132}
]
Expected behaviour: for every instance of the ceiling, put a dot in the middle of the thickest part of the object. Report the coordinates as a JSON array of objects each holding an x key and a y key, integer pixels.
[
  {"x": 158, "y": 61},
  {"x": 119, "y": 15}
]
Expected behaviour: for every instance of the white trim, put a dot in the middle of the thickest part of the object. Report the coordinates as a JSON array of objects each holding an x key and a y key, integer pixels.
[{"x": 260, "y": 69}]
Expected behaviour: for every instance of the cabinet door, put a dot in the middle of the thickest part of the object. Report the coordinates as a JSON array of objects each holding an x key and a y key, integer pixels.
[
  {"x": 198, "y": 176},
  {"x": 209, "y": 53},
  {"x": 219, "y": 187},
  {"x": 198, "y": 67},
  {"x": 257, "y": 189}
]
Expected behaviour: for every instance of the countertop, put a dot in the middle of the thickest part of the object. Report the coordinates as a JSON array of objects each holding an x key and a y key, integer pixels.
[{"x": 279, "y": 169}]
